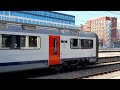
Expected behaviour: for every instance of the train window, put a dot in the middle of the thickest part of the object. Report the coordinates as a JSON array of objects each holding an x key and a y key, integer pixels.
[
  {"x": 86, "y": 44},
  {"x": 55, "y": 46},
  {"x": 32, "y": 41},
  {"x": 10, "y": 41},
  {"x": 6, "y": 41},
  {"x": 74, "y": 44},
  {"x": 22, "y": 41},
  {"x": 19, "y": 42},
  {"x": 63, "y": 41},
  {"x": 15, "y": 41}
]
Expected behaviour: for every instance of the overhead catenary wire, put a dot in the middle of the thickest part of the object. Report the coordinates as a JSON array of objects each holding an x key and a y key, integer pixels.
[{"x": 113, "y": 12}]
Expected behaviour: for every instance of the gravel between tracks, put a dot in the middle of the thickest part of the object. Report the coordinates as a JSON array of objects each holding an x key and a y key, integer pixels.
[
  {"x": 70, "y": 74},
  {"x": 106, "y": 76},
  {"x": 108, "y": 59},
  {"x": 80, "y": 73}
]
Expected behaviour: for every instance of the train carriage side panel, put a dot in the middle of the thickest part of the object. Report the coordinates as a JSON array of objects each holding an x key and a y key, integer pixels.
[
  {"x": 91, "y": 52},
  {"x": 68, "y": 53},
  {"x": 22, "y": 59},
  {"x": 32, "y": 58}
]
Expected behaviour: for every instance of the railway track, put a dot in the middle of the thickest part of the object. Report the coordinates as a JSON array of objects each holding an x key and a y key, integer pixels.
[
  {"x": 72, "y": 73},
  {"x": 97, "y": 74},
  {"x": 104, "y": 72},
  {"x": 86, "y": 72}
]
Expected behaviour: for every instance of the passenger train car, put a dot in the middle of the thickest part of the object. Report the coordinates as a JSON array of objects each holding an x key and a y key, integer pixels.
[{"x": 22, "y": 48}]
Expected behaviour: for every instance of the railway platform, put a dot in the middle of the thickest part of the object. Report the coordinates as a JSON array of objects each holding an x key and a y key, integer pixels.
[
  {"x": 108, "y": 54},
  {"x": 114, "y": 75},
  {"x": 117, "y": 77},
  {"x": 110, "y": 50}
]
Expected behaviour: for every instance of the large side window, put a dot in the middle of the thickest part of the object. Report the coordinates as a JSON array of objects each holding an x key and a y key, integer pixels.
[
  {"x": 19, "y": 42},
  {"x": 15, "y": 41},
  {"x": 10, "y": 41},
  {"x": 6, "y": 41},
  {"x": 22, "y": 41},
  {"x": 74, "y": 44},
  {"x": 32, "y": 41},
  {"x": 86, "y": 44}
]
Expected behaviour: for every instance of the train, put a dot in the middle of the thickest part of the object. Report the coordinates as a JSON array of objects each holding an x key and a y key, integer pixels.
[{"x": 27, "y": 46}]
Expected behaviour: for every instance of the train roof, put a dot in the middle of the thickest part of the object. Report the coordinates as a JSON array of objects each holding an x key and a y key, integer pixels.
[
  {"x": 12, "y": 27},
  {"x": 68, "y": 33}
]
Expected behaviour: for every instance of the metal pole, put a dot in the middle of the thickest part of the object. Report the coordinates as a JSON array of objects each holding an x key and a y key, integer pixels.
[{"x": 90, "y": 25}]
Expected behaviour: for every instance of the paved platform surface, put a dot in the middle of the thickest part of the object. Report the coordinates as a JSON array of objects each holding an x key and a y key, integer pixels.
[
  {"x": 108, "y": 54},
  {"x": 110, "y": 50},
  {"x": 117, "y": 77},
  {"x": 113, "y": 75}
]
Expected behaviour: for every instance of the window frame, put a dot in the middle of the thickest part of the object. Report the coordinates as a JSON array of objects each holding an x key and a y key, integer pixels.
[
  {"x": 79, "y": 46},
  {"x": 71, "y": 44},
  {"x": 20, "y": 47},
  {"x": 85, "y": 47}
]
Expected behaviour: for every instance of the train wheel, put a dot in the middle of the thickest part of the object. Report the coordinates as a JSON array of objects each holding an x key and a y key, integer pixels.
[
  {"x": 58, "y": 68},
  {"x": 79, "y": 65},
  {"x": 82, "y": 64}
]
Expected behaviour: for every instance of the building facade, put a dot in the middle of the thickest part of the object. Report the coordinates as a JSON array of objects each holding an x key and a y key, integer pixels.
[
  {"x": 46, "y": 18},
  {"x": 105, "y": 28}
]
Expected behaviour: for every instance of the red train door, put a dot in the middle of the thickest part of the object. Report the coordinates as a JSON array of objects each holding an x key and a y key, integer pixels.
[{"x": 54, "y": 50}]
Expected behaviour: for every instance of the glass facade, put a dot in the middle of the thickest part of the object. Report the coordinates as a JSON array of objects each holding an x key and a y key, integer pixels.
[
  {"x": 40, "y": 18},
  {"x": 42, "y": 15}
]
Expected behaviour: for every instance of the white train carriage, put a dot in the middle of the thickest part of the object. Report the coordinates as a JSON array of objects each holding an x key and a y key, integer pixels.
[{"x": 22, "y": 49}]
